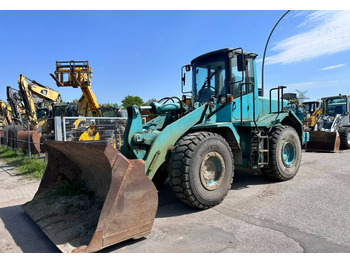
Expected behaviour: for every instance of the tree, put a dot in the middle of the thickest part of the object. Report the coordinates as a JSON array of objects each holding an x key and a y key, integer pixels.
[
  {"x": 132, "y": 100},
  {"x": 150, "y": 101}
]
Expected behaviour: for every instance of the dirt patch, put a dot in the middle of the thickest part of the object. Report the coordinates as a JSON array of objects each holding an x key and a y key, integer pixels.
[{"x": 68, "y": 213}]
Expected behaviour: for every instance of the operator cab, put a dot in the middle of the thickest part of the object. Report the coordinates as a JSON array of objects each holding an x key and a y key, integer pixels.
[
  {"x": 66, "y": 109},
  {"x": 222, "y": 72},
  {"x": 336, "y": 105}
]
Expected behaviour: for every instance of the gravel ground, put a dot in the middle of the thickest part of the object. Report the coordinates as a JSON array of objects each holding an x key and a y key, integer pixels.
[{"x": 310, "y": 213}]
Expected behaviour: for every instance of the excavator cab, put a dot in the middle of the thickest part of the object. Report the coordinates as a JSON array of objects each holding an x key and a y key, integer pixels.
[{"x": 108, "y": 111}]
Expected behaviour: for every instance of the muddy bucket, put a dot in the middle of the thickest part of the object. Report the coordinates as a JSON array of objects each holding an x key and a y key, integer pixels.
[
  {"x": 322, "y": 141},
  {"x": 91, "y": 197}
]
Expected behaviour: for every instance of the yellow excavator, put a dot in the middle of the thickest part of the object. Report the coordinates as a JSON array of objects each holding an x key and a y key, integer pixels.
[
  {"x": 37, "y": 117},
  {"x": 6, "y": 120},
  {"x": 313, "y": 111},
  {"x": 5, "y": 113}
]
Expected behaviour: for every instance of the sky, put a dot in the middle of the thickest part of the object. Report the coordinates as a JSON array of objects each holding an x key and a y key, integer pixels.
[{"x": 141, "y": 52}]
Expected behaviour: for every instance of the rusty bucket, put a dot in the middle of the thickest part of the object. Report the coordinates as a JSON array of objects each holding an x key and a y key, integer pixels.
[
  {"x": 322, "y": 141},
  {"x": 34, "y": 137},
  {"x": 91, "y": 197}
]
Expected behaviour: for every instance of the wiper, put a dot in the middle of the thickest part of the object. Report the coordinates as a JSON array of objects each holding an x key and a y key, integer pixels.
[{"x": 210, "y": 77}]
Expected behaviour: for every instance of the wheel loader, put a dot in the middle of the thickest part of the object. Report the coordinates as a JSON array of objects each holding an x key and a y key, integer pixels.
[
  {"x": 332, "y": 129},
  {"x": 92, "y": 196}
]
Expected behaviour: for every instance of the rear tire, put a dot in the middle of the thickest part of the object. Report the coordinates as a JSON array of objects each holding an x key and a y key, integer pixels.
[
  {"x": 201, "y": 169},
  {"x": 344, "y": 135},
  {"x": 284, "y": 155}
]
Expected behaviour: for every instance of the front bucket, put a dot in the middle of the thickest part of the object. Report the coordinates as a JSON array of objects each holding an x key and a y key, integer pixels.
[
  {"x": 323, "y": 141},
  {"x": 91, "y": 197},
  {"x": 34, "y": 139}
]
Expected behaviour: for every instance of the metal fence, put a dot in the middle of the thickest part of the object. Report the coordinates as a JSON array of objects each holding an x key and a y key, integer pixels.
[{"x": 108, "y": 130}]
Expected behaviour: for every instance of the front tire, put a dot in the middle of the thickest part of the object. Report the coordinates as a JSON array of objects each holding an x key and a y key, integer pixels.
[
  {"x": 344, "y": 135},
  {"x": 201, "y": 169},
  {"x": 284, "y": 154}
]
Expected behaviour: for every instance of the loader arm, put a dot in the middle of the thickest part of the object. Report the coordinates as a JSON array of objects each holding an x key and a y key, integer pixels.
[
  {"x": 135, "y": 143},
  {"x": 90, "y": 99},
  {"x": 79, "y": 74}
]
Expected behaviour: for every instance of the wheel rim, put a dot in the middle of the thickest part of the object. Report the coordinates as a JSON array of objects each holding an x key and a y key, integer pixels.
[
  {"x": 348, "y": 138},
  {"x": 212, "y": 170},
  {"x": 288, "y": 154}
]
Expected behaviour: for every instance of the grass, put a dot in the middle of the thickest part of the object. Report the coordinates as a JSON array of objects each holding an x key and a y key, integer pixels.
[{"x": 33, "y": 168}]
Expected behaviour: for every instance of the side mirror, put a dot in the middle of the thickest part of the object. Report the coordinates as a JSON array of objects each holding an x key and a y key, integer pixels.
[
  {"x": 183, "y": 77},
  {"x": 241, "y": 62}
]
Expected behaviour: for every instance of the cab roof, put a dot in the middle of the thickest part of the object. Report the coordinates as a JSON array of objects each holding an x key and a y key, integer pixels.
[{"x": 222, "y": 51}]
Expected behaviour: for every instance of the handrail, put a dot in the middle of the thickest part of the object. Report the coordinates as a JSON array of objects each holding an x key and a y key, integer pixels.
[{"x": 279, "y": 98}]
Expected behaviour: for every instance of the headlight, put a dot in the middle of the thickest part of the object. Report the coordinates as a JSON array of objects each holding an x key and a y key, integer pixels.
[{"x": 225, "y": 99}]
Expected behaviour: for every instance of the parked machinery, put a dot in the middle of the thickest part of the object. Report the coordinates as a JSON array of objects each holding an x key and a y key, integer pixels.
[
  {"x": 102, "y": 196},
  {"x": 78, "y": 74},
  {"x": 17, "y": 110},
  {"x": 313, "y": 111},
  {"x": 6, "y": 119},
  {"x": 5, "y": 113},
  {"x": 332, "y": 130}
]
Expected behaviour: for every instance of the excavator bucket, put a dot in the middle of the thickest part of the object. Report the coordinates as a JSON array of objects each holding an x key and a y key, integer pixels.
[
  {"x": 34, "y": 138},
  {"x": 322, "y": 141},
  {"x": 91, "y": 197}
]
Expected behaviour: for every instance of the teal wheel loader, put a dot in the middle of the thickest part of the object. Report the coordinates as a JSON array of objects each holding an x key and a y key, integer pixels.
[{"x": 92, "y": 196}]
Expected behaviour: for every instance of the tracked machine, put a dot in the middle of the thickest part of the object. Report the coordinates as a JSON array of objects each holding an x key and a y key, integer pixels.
[{"x": 92, "y": 196}]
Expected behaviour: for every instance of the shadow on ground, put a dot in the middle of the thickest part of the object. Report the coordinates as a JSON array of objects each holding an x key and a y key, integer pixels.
[{"x": 27, "y": 236}]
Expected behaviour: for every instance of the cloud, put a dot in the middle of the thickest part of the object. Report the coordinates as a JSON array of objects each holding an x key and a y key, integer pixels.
[
  {"x": 332, "y": 67},
  {"x": 312, "y": 84},
  {"x": 328, "y": 32}
]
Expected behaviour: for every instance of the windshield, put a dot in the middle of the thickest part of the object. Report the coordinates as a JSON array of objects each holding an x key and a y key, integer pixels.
[
  {"x": 60, "y": 110},
  {"x": 311, "y": 107},
  {"x": 335, "y": 105},
  {"x": 108, "y": 111},
  {"x": 42, "y": 112},
  {"x": 209, "y": 77}
]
